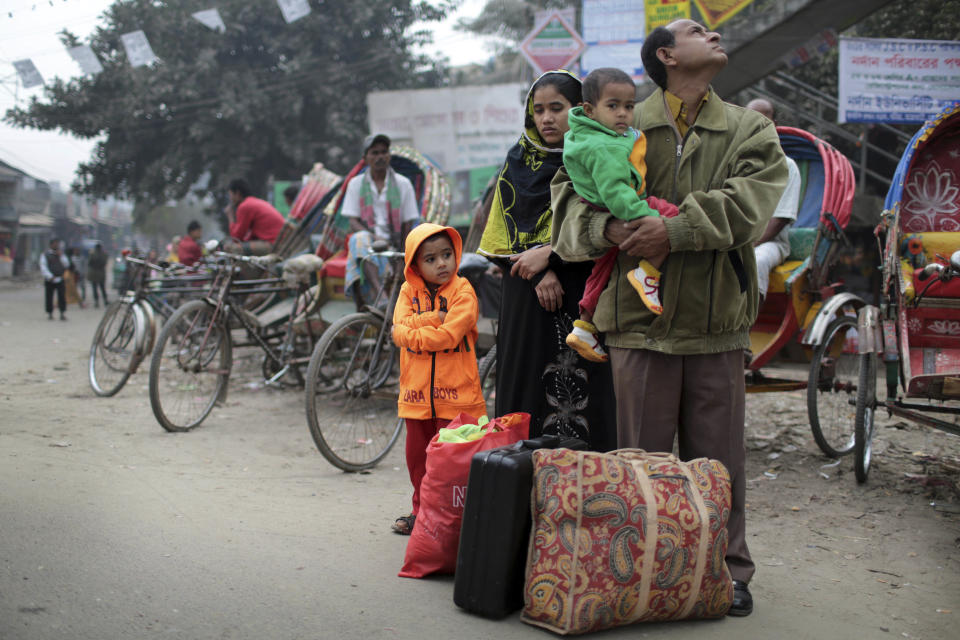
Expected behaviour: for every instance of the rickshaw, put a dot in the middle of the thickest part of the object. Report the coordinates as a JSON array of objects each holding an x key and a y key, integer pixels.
[
  {"x": 915, "y": 332},
  {"x": 803, "y": 306}
]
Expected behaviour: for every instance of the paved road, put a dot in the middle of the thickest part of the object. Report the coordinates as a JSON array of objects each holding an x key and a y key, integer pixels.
[{"x": 112, "y": 528}]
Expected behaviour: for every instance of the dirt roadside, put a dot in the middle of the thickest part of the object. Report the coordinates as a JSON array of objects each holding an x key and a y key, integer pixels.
[{"x": 112, "y": 528}]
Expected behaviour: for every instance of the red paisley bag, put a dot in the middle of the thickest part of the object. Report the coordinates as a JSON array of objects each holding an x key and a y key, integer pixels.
[{"x": 626, "y": 537}]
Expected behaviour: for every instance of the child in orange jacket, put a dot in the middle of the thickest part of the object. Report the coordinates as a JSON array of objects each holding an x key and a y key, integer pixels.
[{"x": 435, "y": 326}]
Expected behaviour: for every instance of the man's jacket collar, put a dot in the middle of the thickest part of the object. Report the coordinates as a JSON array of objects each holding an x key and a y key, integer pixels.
[{"x": 654, "y": 113}]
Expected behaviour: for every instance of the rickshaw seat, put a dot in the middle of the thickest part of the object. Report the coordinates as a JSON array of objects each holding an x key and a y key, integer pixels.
[
  {"x": 783, "y": 276},
  {"x": 335, "y": 267},
  {"x": 780, "y": 276},
  {"x": 801, "y": 242},
  {"x": 943, "y": 243}
]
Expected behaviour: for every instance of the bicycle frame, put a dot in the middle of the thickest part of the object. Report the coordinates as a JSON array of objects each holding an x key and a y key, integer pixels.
[{"x": 223, "y": 300}]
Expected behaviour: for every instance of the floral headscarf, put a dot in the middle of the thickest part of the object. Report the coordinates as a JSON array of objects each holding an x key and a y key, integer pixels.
[{"x": 520, "y": 215}]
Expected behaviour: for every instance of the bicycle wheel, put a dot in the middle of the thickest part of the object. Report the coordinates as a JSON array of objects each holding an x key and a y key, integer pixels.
[
  {"x": 832, "y": 388},
  {"x": 351, "y": 394},
  {"x": 114, "y": 349},
  {"x": 863, "y": 423},
  {"x": 190, "y": 367},
  {"x": 488, "y": 380}
]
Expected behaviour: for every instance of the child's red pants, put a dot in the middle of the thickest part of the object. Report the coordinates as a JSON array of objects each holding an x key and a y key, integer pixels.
[{"x": 419, "y": 433}]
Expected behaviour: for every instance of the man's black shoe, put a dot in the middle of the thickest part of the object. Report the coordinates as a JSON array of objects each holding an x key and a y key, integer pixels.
[{"x": 742, "y": 600}]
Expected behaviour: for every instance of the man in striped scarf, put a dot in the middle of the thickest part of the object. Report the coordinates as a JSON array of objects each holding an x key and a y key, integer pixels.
[{"x": 380, "y": 205}]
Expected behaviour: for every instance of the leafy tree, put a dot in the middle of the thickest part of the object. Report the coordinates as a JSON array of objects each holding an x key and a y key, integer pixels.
[
  {"x": 265, "y": 97},
  {"x": 509, "y": 20}
]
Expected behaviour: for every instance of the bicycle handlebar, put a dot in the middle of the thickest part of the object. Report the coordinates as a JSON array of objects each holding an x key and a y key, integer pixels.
[{"x": 163, "y": 265}]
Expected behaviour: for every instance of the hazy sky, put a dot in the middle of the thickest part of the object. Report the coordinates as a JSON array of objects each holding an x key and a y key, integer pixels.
[{"x": 31, "y": 32}]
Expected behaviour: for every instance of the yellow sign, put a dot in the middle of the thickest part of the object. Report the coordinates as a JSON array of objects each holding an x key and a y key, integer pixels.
[
  {"x": 660, "y": 13},
  {"x": 716, "y": 12}
]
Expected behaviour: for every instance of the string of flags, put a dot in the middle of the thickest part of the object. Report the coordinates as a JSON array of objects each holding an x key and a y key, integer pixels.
[{"x": 137, "y": 47}]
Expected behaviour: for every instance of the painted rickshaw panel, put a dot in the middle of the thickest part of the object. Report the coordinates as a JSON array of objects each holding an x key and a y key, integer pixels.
[{"x": 923, "y": 204}]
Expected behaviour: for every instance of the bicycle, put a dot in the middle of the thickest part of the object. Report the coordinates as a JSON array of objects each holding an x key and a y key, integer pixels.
[
  {"x": 193, "y": 357},
  {"x": 126, "y": 333},
  {"x": 353, "y": 375}
]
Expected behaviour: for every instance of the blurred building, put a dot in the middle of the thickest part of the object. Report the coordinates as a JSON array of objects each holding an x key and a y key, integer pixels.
[{"x": 33, "y": 211}]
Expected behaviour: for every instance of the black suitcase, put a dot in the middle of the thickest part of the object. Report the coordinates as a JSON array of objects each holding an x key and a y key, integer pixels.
[{"x": 496, "y": 526}]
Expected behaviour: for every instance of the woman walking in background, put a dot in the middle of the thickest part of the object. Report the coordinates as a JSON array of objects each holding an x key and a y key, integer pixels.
[{"x": 97, "y": 274}]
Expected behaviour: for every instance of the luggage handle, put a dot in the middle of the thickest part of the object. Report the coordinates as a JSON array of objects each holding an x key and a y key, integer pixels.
[
  {"x": 633, "y": 454},
  {"x": 546, "y": 441}
]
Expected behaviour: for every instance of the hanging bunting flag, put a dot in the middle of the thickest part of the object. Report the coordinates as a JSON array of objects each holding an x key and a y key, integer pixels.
[
  {"x": 138, "y": 48},
  {"x": 210, "y": 18},
  {"x": 28, "y": 73},
  {"x": 293, "y": 9},
  {"x": 86, "y": 58}
]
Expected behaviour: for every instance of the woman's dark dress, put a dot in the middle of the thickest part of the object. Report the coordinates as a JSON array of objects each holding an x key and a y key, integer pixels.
[{"x": 538, "y": 373}]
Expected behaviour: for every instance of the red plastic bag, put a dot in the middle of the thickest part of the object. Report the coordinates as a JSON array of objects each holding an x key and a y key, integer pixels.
[{"x": 433, "y": 544}]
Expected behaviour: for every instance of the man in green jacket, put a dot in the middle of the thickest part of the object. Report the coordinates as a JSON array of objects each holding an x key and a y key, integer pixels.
[{"x": 680, "y": 374}]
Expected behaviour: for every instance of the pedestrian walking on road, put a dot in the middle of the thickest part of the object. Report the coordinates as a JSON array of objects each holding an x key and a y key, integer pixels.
[
  {"x": 53, "y": 265},
  {"x": 97, "y": 274},
  {"x": 73, "y": 279}
]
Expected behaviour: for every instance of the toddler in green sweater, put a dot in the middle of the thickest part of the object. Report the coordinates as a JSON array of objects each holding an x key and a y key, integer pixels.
[{"x": 604, "y": 157}]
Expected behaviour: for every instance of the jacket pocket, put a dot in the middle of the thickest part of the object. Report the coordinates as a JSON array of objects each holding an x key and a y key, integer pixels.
[
  {"x": 730, "y": 292},
  {"x": 415, "y": 380}
]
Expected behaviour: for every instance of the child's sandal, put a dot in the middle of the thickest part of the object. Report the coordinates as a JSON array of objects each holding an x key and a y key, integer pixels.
[{"x": 403, "y": 525}]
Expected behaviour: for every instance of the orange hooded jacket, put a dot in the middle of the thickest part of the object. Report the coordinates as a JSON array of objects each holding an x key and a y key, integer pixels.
[{"x": 438, "y": 360}]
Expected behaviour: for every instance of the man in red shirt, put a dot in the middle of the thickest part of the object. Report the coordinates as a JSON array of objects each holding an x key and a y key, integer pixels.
[
  {"x": 253, "y": 222},
  {"x": 189, "y": 251}
]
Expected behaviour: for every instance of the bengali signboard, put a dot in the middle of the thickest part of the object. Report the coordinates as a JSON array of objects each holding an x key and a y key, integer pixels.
[
  {"x": 458, "y": 128},
  {"x": 660, "y": 13},
  {"x": 896, "y": 80},
  {"x": 614, "y": 31}
]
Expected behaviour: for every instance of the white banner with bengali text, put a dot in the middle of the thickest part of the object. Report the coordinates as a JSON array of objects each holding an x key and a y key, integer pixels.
[
  {"x": 896, "y": 80},
  {"x": 457, "y": 128},
  {"x": 614, "y": 32}
]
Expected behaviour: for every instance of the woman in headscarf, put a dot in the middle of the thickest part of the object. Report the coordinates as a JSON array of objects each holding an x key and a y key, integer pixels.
[{"x": 536, "y": 371}]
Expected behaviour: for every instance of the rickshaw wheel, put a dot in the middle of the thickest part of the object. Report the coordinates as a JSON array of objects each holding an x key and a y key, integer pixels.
[
  {"x": 863, "y": 423},
  {"x": 830, "y": 389}
]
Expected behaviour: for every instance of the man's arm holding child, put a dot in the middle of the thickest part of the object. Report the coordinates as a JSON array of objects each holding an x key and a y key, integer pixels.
[{"x": 578, "y": 230}]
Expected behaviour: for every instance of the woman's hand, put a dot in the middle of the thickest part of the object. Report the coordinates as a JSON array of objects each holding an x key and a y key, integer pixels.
[
  {"x": 530, "y": 262},
  {"x": 550, "y": 292}
]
